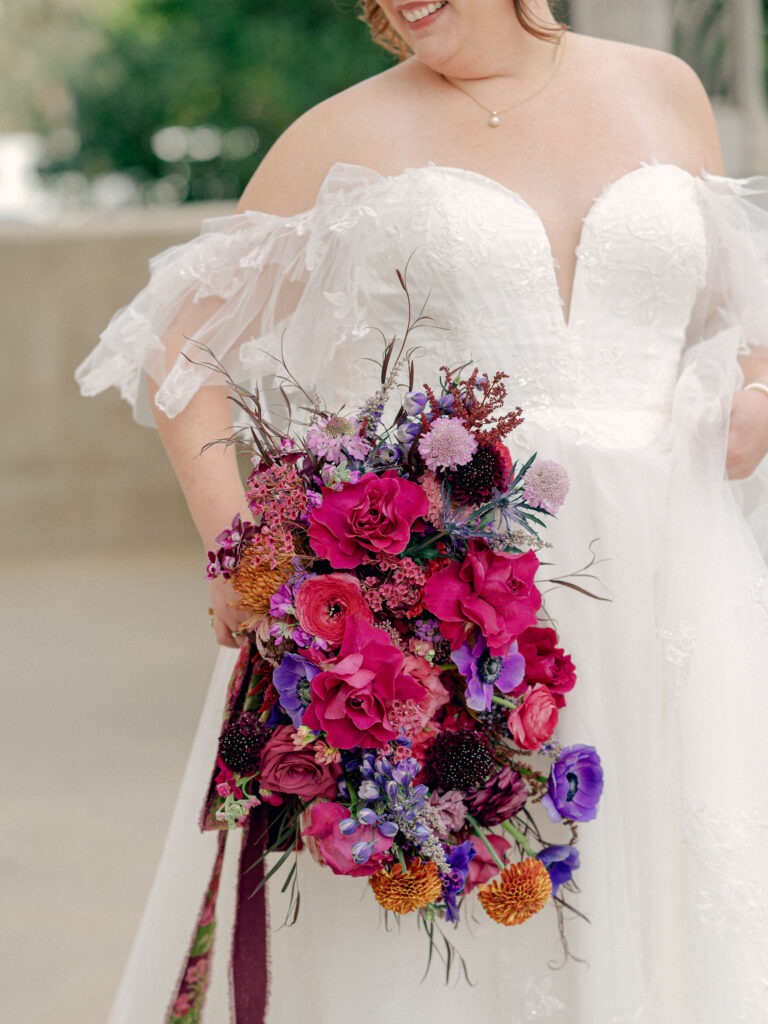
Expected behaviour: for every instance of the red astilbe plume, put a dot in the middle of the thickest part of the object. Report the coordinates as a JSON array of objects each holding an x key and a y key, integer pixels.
[{"x": 480, "y": 415}]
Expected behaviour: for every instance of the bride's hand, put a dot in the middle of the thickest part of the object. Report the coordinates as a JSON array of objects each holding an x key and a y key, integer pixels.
[
  {"x": 748, "y": 433},
  {"x": 227, "y": 619}
]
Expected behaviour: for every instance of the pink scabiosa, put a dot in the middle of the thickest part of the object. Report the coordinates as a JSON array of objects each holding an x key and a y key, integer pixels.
[
  {"x": 447, "y": 445},
  {"x": 546, "y": 486}
]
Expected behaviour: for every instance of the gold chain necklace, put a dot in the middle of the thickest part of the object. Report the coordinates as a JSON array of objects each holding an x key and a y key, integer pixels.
[{"x": 495, "y": 120}]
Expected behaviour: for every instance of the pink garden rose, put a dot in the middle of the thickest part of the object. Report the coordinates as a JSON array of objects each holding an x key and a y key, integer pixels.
[
  {"x": 546, "y": 663},
  {"x": 349, "y": 699},
  {"x": 435, "y": 693},
  {"x": 324, "y": 602},
  {"x": 288, "y": 769},
  {"x": 375, "y": 514},
  {"x": 482, "y": 867},
  {"x": 490, "y": 590},
  {"x": 330, "y": 846},
  {"x": 533, "y": 722}
]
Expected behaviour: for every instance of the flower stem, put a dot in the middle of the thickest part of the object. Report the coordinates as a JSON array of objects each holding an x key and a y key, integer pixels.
[
  {"x": 503, "y": 701},
  {"x": 482, "y": 836},
  {"x": 518, "y": 836}
]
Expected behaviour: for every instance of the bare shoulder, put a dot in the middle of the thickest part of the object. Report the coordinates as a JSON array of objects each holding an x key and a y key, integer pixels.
[
  {"x": 351, "y": 127},
  {"x": 669, "y": 93}
]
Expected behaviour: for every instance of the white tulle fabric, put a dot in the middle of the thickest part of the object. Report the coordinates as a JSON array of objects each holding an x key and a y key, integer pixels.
[{"x": 632, "y": 395}]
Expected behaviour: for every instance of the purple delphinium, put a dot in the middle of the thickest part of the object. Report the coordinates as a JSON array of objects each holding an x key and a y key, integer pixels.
[
  {"x": 560, "y": 862},
  {"x": 575, "y": 785},
  {"x": 292, "y": 678},
  {"x": 455, "y": 879},
  {"x": 484, "y": 672}
]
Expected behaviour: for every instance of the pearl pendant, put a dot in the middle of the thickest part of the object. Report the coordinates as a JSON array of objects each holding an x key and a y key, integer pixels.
[{"x": 494, "y": 121}]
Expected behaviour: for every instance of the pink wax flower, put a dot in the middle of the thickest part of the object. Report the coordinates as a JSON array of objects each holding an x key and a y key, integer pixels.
[
  {"x": 482, "y": 867},
  {"x": 324, "y": 602},
  {"x": 330, "y": 846},
  {"x": 375, "y": 514},
  {"x": 533, "y": 722},
  {"x": 349, "y": 699},
  {"x": 490, "y": 590},
  {"x": 286, "y": 769},
  {"x": 546, "y": 663}
]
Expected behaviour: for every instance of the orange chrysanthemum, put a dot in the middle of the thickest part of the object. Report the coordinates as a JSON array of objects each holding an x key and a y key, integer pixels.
[
  {"x": 520, "y": 891},
  {"x": 404, "y": 891},
  {"x": 256, "y": 581}
]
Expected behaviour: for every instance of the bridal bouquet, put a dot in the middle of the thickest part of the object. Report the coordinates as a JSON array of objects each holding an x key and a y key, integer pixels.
[{"x": 397, "y": 702}]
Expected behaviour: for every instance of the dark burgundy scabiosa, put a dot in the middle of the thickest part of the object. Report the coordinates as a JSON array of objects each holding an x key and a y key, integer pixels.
[
  {"x": 459, "y": 760},
  {"x": 241, "y": 744},
  {"x": 499, "y": 799},
  {"x": 487, "y": 471}
]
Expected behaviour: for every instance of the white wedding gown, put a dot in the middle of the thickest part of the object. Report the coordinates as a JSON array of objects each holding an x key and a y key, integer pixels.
[{"x": 632, "y": 396}]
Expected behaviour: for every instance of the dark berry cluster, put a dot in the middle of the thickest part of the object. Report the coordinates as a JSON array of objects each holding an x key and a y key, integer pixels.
[
  {"x": 459, "y": 760},
  {"x": 241, "y": 744}
]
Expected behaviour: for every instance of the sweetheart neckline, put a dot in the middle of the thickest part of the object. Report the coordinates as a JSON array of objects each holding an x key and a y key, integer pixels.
[{"x": 566, "y": 318}]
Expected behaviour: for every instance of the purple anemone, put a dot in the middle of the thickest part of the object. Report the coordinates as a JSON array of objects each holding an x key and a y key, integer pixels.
[
  {"x": 560, "y": 862},
  {"x": 575, "y": 785},
  {"x": 292, "y": 678},
  {"x": 483, "y": 672}
]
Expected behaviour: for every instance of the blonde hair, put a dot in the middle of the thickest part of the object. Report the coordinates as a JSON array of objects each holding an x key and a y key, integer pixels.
[{"x": 383, "y": 33}]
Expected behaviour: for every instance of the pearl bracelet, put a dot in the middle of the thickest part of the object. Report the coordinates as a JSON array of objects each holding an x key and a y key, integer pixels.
[{"x": 758, "y": 385}]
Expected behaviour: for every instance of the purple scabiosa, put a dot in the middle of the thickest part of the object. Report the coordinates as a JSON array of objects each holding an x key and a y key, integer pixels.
[
  {"x": 575, "y": 785},
  {"x": 447, "y": 445},
  {"x": 459, "y": 760},
  {"x": 241, "y": 744},
  {"x": 560, "y": 862},
  {"x": 483, "y": 672},
  {"x": 487, "y": 472},
  {"x": 546, "y": 486},
  {"x": 500, "y": 798},
  {"x": 292, "y": 678}
]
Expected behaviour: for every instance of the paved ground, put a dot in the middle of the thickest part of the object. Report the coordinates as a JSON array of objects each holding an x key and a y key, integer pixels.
[{"x": 106, "y": 662}]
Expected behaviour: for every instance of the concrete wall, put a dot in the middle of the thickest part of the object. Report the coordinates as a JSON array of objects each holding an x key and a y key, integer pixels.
[{"x": 79, "y": 473}]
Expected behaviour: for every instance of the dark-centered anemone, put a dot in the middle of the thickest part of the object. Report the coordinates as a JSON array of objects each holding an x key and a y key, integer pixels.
[
  {"x": 241, "y": 744},
  {"x": 459, "y": 760}
]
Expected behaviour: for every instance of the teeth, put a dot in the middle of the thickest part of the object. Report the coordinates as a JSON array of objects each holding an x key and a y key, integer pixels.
[{"x": 418, "y": 13}]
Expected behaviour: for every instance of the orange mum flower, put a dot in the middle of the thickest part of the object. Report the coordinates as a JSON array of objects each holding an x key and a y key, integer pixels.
[
  {"x": 404, "y": 891},
  {"x": 256, "y": 581},
  {"x": 520, "y": 891}
]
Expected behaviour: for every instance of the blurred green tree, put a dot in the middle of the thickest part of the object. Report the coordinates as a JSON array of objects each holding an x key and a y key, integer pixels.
[{"x": 234, "y": 73}]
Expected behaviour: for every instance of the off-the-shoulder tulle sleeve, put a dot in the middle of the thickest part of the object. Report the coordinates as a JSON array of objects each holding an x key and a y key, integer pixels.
[{"x": 249, "y": 286}]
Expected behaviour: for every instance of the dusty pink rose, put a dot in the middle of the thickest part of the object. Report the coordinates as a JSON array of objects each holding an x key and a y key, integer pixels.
[
  {"x": 349, "y": 699},
  {"x": 286, "y": 769},
  {"x": 435, "y": 695},
  {"x": 546, "y": 663},
  {"x": 482, "y": 867},
  {"x": 330, "y": 846},
  {"x": 324, "y": 602},
  {"x": 533, "y": 722},
  {"x": 375, "y": 514},
  {"x": 490, "y": 590}
]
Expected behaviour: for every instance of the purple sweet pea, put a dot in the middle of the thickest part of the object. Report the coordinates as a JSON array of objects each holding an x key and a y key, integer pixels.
[
  {"x": 560, "y": 862},
  {"x": 458, "y": 858},
  {"x": 292, "y": 678},
  {"x": 482, "y": 672},
  {"x": 575, "y": 785}
]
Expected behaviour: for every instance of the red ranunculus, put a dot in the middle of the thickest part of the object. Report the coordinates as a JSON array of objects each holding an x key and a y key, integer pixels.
[
  {"x": 349, "y": 699},
  {"x": 288, "y": 769},
  {"x": 546, "y": 663},
  {"x": 482, "y": 867},
  {"x": 375, "y": 514},
  {"x": 328, "y": 844},
  {"x": 533, "y": 722},
  {"x": 490, "y": 590},
  {"x": 324, "y": 602}
]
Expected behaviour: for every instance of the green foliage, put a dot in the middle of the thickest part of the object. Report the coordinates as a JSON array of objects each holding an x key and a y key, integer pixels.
[{"x": 223, "y": 63}]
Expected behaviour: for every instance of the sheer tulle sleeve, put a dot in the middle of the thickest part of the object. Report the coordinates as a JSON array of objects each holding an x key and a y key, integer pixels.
[{"x": 249, "y": 286}]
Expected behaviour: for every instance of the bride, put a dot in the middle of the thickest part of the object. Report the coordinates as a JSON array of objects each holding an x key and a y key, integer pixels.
[{"x": 561, "y": 201}]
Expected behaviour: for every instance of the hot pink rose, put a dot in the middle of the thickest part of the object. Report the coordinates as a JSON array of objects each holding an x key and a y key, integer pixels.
[
  {"x": 435, "y": 695},
  {"x": 349, "y": 699},
  {"x": 288, "y": 769},
  {"x": 324, "y": 602},
  {"x": 328, "y": 844},
  {"x": 375, "y": 514},
  {"x": 490, "y": 590},
  {"x": 482, "y": 867},
  {"x": 546, "y": 663},
  {"x": 533, "y": 722}
]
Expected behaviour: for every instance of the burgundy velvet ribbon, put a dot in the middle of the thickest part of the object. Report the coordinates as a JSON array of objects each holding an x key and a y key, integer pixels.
[{"x": 250, "y": 964}]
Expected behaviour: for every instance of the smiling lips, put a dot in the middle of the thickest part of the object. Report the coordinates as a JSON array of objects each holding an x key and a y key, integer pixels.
[{"x": 414, "y": 14}]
